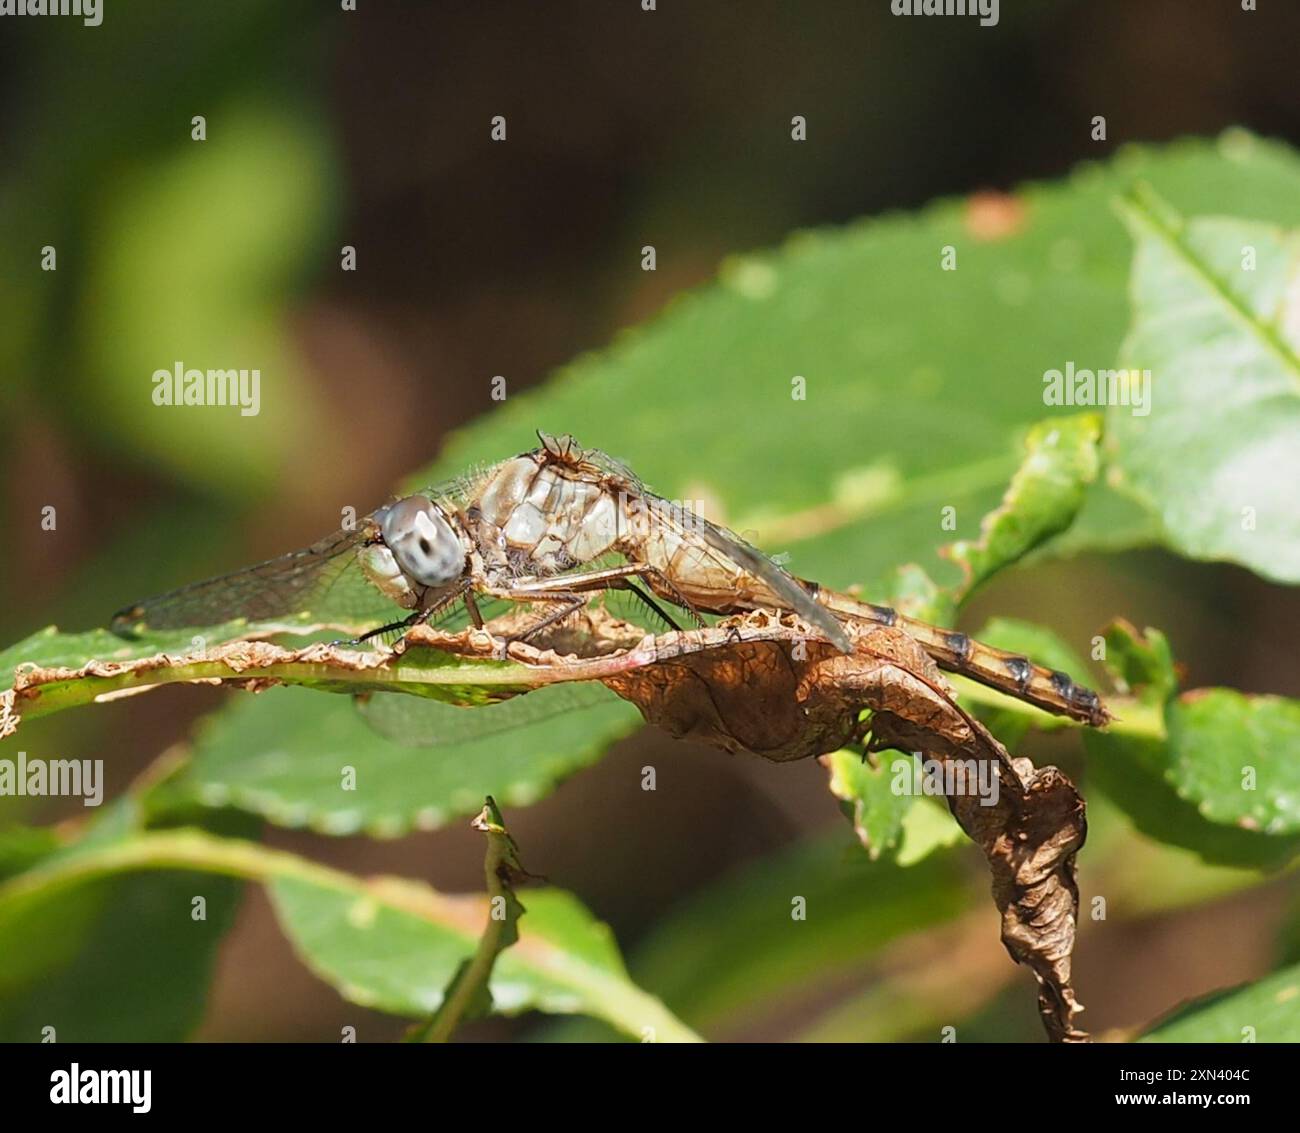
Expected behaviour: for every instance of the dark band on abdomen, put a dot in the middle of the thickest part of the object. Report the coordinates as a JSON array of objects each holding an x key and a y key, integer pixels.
[
  {"x": 1063, "y": 683},
  {"x": 959, "y": 643},
  {"x": 885, "y": 615},
  {"x": 1021, "y": 670}
]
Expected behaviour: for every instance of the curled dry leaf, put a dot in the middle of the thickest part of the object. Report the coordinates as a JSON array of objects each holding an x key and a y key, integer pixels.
[{"x": 761, "y": 685}]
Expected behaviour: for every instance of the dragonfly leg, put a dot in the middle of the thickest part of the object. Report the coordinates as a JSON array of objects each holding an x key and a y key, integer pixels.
[
  {"x": 417, "y": 617},
  {"x": 405, "y": 623},
  {"x": 342, "y": 642},
  {"x": 569, "y": 604},
  {"x": 652, "y": 604},
  {"x": 610, "y": 578},
  {"x": 472, "y": 607},
  {"x": 647, "y": 573}
]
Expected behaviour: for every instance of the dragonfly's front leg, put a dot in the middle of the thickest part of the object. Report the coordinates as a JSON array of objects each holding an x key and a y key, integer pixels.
[
  {"x": 418, "y": 617},
  {"x": 379, "y": 631}
]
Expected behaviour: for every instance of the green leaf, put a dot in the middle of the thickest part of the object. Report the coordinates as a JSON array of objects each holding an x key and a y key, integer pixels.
[
  {"x": 1234, "y": 757},
  {"x": 900, "y": 825},
  {"x": 1043, "y": 499},
  {"x": 421, "y": 671},
  {"x": 390, "y": 942},
  {"x": 905, "y": 413},
  {"x": 21, "y": 847},
  {"x": 929, "y": 826},
  {"x": 1219, "y": 778},
  {"x": 735, "y": 967},
  {"x": 282, "y": 755},
  {"x": 1133, "y": 772},
  {"x": 395, "y": 947},
  {"x": 868, "y": 799},
  {"x": 1218, "y": 454},
  {"x": 50, "y": 648},
  {"x": 1141, "y": 663},
  {"x": 1267, "y": 1011},
  {"x": 105, "y": 958}
]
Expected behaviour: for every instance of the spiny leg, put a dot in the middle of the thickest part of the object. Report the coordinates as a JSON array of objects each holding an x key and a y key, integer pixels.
[
  {"x": 418, "y": 617},
  {"x": 651, "y": 604},
  {"x": 404, "y": 624},
  {"x": 609, "y": 578},
  {"x": 379, "y": 631},
  {"x": 572, "y": 593},
  {"x": 569, "y": 604}
]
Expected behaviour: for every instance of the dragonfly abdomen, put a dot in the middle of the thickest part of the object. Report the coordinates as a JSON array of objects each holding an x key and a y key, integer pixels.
[{"x": 1016, "y": 675}]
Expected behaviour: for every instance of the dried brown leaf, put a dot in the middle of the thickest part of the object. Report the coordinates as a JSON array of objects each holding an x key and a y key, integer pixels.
[{"x": 763, "y": 686}]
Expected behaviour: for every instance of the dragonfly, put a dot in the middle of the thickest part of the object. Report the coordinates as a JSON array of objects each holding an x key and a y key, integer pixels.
[{"x": 550, "y": 528}]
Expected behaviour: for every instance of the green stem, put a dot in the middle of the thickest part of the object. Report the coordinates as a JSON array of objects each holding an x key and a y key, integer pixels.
[{"x": 470, "y": 985}]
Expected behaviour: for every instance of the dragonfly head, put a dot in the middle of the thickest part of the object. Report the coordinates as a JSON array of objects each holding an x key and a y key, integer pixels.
[{"x": 423, "y": 543}]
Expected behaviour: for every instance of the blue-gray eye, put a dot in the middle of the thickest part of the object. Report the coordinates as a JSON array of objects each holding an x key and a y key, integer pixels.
[{"x": 422, "y": 542}]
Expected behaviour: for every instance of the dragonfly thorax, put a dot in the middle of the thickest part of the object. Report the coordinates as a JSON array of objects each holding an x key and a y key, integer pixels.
[{"x": 539, "y": 518}]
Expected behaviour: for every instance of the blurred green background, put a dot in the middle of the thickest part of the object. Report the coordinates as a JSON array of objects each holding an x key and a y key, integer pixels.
[{"x": 626, "y": 128}]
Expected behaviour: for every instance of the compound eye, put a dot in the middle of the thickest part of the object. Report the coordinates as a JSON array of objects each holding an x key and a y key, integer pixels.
[{"x": 422, "y": 542}]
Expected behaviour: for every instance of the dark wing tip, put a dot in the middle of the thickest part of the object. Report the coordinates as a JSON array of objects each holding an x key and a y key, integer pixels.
[{"x": 128, "y": 623}]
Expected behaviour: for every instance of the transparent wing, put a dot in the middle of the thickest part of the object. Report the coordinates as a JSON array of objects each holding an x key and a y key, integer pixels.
[
  {"x": 415, "y": 722},
  {"x": 323, "y": 580},
  {"x": 783, "y": 584},
  {"x": 458, "y": 491},
  {"x": 616, "y": 469}
]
